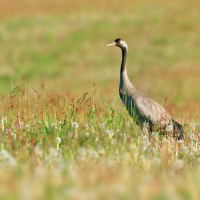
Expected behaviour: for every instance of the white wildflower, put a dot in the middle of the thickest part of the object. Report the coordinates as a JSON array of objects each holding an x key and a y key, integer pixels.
[
  {"x": 114, "y": 141},
  {"x": 145, "y": 140},
  {"x": 7, "y": 158},
  {"x": 82, "y": 151},
  {"x": 165, "y": 141},
  {"x": 180, "y": 142},
  {"x": 154, "y": 134},
  {"x": 179, "y": 164},
  {"x": 28, "y": 127},
  {"x": 184, "y": 149},
  {"x": 191, "y": 154},
  {"x": 87, "y": 134},
  {"x": 109, "y": 133},
  {"x": 101, "y": 151},
  {"x": 75, "y": 125},
  {"x": 193, "y": 137},
  {"x": 54, "y": 125},
  {"x": 145, "y": 137},
  {"x": 102, "y": 126},
  {"x": 97, "y": 138},
  {"x": 193, "y": 125},
  {"x": 198, "y": 160},
  {"x": 8, "y": 130},
  {"x": 193, "y": 149},
  {"x": 93, "y": 154},
  {"x": 86, "y": 125},
  {"x": 58, "y": 140},
  {"x": 133, "y": 147},
  {"x": 38, "y": 150},
  {"x": 144, "y": 148},
  {"x": 19, "y": 125},
  {"x": 13, "y": 135},
  {"x": 53, "y": 153},
  {"x": 156, "y": 161},
  {"x": 169, "y": 128}
]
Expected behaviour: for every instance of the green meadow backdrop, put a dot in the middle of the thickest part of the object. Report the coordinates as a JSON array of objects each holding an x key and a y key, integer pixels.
[
  {"x": 64, "y": 133},
  {"x": 62, "y": 44}
]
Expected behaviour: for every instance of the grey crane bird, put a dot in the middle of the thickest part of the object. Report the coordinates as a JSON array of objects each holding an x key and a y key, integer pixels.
[{"x": 147, "y": 113}]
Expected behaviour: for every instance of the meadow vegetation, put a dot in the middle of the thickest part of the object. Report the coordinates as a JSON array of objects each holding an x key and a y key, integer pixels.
[{"x": 64, "y": 133}]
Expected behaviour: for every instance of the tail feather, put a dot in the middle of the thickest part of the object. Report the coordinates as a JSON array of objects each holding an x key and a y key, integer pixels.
[{"x": 178, "y": 130}]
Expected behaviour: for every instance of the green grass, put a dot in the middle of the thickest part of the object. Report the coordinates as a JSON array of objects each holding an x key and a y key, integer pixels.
[
  {"x": 55, "y": 52},
  {"x": 90, "y": 149}
]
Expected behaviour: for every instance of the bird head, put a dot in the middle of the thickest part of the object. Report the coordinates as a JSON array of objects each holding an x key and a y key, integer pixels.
[{"x": 119, "y": 43}]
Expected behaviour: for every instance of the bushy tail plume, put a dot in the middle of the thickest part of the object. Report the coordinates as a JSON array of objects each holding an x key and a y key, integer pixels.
[{"x": 178, "y": 130}]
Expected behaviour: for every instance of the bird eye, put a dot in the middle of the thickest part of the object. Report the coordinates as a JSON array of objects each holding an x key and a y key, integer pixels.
[{"x": 118, "y": 40}]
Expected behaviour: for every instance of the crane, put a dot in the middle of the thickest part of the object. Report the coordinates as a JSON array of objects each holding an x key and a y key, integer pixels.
[{"x": 147, "y": 113}]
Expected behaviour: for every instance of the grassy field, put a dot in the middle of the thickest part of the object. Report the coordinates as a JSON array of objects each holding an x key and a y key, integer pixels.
[{"x": 63, "y": 132}]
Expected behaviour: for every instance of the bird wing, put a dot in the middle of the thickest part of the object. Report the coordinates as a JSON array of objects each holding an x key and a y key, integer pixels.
[{"x": 150, "y": 110}]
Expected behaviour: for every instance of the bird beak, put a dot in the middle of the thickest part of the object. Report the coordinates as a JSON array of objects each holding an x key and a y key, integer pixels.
[{"x": 111, "y": 44}]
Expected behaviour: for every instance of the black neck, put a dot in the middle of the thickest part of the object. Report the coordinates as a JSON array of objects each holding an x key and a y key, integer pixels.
[{"x": 124, "y": 55}]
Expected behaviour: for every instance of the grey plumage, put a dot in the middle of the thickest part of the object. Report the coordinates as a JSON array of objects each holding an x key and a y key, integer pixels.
[{"x": 142, "y": 109}]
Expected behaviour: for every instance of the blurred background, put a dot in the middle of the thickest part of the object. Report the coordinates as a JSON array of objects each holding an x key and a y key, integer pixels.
[
  {"x": 52, "y": 148},
  {"x": 62, "y": 44}
]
